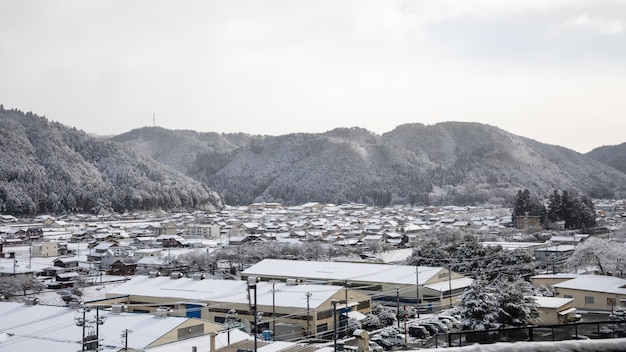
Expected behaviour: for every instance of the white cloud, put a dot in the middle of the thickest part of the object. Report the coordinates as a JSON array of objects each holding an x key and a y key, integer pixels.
[
  {"x": 596, "y": 24},
  {"x": 280, "y": 66}
]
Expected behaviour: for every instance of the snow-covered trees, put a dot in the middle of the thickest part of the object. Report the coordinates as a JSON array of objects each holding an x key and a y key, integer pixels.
[
  {"x": 527, "y": 204},
  {"x": 606, "y": 256},
  {"x": 478, "y": 308},
  {"x": 19, "y": 284},
  {"x": 46, "y": 167},
  {"x": 469, "y": 256},
  {"x": 503, "y": 303},
  {"x": 576, "y": 212},
  {"x": 516, "y": 306}
]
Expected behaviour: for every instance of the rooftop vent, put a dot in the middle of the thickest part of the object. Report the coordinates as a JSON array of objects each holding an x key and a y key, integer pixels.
[
  {"x": 118, "y": 309},
  {"x": 163, "y": 312},
  {"x": 74, "y": 304},
  {"x": 198, "y": 277},
  {"x": 176, "y": 275},
  {"x": 31, "y": 301}
]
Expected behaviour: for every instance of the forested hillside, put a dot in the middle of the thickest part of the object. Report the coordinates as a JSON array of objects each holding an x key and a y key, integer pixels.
[
  {"x": 612, "y": 155},
  {"x": 46, "y": 167},
  {"x": 446, "y": 163}
]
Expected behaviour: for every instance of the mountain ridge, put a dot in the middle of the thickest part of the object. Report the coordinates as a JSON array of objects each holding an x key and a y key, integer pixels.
[
  {"x": 46, "y": 167},
  {"x": 49, "y": 167},
  {"x": 448, "y": 162}
]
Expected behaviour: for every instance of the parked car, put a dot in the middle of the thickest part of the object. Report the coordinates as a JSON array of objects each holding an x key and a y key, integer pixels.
[
  {"x": 456, "y": 323},
  {"x": 441, "y": 327},
  {"x": 431, "y": 328},
  {"x": 419, "y": 332},
  {"x": 447, "y": 322},
  {"x": 384, "y": 343},
  {"x": 374, "y": 347},
  {"x": 397, "y": 340}
]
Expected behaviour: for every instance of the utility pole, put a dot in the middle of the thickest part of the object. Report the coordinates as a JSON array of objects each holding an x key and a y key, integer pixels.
[
  {"x": 125, "y": 333},
  {"x": 450, "y": 285},
  {"x": 417, "y": 289},
  {"x": 308, "y": 321},
  {"x": 334, "y": 304},
  {"x": 84, "y": 327},
  {"x": 398, "y": 305},
  {"x": 230, "y": 316},
  {"x": 252, "y": 285},
  {"x": 273, "y": 307},
  {"x": 97, "y": 327}
]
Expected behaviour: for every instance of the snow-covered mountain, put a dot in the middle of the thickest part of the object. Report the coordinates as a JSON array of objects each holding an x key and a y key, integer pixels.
[
  {"x": 445, "y": 163},
  {"x": 612, "y": 155},
  {"x": 46, "y": 167}
]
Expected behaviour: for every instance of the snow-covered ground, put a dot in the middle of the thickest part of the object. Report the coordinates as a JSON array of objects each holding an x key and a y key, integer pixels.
[
  {"x": 395, "y": 256},
  {"x": 53, "y": 298}
]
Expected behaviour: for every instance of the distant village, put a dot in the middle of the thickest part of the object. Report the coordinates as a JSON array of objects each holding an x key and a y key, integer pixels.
[{"x": 131, "y": 262}]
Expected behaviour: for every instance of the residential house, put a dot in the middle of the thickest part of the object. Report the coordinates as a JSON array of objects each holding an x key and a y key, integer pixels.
[
  {"x": 45, "y": 249},
  {"x": 64, "y": 279},
  {"x": 372, "y": 240},
  {"x": 590, "y": 292},
  {"x": 114, "y": 254},
  {"x": 168, "y": 241},
  {"x": 123, "y": 267},
  {"x": 554, "y": 310},
  {"x": 66, "y": 263},
  {"x": 527, "y": 221},
  {"x": 147, "y": 252},
  {"x": 203, "y": 230},
  {"x": 7, "y": 218},
  {"x": 60, "y": 224}
]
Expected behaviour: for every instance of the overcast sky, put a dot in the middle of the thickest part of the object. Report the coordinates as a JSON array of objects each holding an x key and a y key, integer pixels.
[{"x": 550, "y": 70}]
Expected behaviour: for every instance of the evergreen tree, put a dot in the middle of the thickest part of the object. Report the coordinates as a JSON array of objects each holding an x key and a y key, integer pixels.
[
  {"x": 576, "y": 212},
  {"x": 477, "y": 308},
  {"x": 554, "y": 207},
  {"x": 527, "y": 204},
  {"x": 516, "y": 306}
]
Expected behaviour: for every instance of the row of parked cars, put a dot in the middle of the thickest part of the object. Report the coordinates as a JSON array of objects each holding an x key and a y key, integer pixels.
[
  {"x": 436, "y": 325},
  {"x": 392, "y": 339}
]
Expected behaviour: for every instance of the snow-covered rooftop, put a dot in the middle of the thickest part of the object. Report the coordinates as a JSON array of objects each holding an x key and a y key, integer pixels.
[
  {"x": 595, "y": 283},
  {"x": 226, "y": 291},
  {"x": 552, "y": 302},
  {"x": 51, "y": 328},
  {"x": 341, "y": 271},
  {"x": 454, "y": 284}
]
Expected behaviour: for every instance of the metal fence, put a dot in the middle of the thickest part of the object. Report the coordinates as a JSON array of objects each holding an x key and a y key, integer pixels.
[{"x": 574, "y": 331}]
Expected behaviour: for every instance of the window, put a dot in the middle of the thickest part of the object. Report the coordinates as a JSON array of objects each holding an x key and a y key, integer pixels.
[
  {"x": 589, "y": 300},
  {"x": 567, "y": 296}
]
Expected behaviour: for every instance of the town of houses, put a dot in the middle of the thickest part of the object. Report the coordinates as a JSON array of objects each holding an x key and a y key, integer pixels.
[{"x": 131, "y": 254}]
